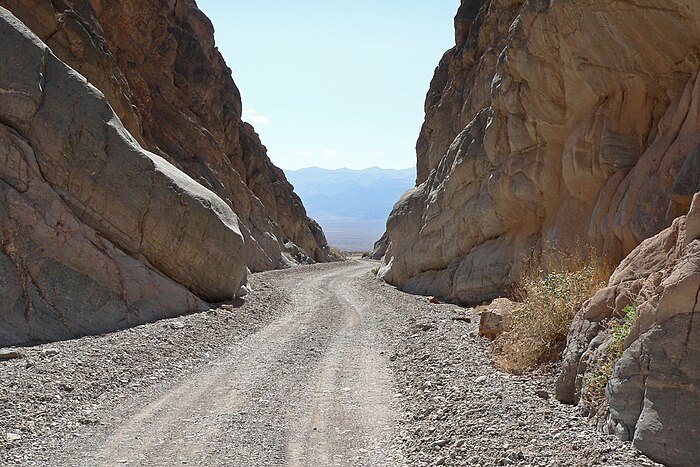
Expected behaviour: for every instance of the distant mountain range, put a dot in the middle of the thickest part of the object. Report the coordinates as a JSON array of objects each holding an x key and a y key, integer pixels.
[{"x": 351, "y": 205}]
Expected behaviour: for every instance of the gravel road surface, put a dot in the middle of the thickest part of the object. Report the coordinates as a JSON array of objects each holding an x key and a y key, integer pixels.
[{"x": 321, "y": 365}]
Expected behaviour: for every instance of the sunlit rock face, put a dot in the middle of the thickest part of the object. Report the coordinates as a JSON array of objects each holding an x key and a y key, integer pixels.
[
  {"x": 157, "y": 65},
  {"x": 561, "y": 123},
  {"x": 130, "y": 189}
]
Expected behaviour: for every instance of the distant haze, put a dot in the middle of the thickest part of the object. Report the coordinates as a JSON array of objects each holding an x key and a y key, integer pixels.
[{"x": 352, "y": 206}]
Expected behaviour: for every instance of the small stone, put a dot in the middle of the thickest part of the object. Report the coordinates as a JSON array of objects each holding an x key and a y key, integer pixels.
[
  {"x": 50, "y": 352},
  {"x": 480, "y": 379},
  {"x": 8, "y": 354},
  {"x": 440, "y": 443},
  {"x": 465, "y": 319},
  {"x": 542, "y": 393},
  {"x": 13, "y": 437},
  {"x": 434, "y": 299},
  {"x": 177, "y": 325},
  {"x": 227, "y": 307},
  {"x": 440, "y": 460}
]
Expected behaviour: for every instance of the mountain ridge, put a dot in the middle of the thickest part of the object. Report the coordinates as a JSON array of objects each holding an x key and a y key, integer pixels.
[{"x": 352, "y": 205}]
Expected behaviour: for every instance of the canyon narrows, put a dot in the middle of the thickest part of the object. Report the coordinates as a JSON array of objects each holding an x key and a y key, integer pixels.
[{"x": 150, "y": 313}]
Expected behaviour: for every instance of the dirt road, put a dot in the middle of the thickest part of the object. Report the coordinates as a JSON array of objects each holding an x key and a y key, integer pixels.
[
  {"x": 321, "y": 365},
  {"x": 311, "y": 388}
]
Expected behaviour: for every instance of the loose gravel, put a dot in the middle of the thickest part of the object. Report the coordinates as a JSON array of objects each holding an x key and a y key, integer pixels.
[
  {"x": 56, "y": 392},
  {"x": 460, "y": 410},
  {"x": 454, "y": 407}
]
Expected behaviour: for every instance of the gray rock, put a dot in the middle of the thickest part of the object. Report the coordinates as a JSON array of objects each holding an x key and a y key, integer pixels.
[
  {"x": 97, "y": 233},
  {"x": 50, "y": 352},
  {"x": 652, "y": 392}
]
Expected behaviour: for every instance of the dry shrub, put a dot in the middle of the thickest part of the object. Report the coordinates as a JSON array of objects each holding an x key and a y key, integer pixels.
[{"x": 551, "y": 291}]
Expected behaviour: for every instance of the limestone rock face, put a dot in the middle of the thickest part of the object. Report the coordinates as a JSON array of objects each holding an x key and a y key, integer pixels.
[
  {"x": 157, "y": 64},
  {"x": 549, "y": 123},
  {"x": 96, "y": 233},
  {"x": 652, "y": 393}
]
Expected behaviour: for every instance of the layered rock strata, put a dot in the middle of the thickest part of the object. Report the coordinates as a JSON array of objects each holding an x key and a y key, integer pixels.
[
  {"x": 653, "y": 391},
  {"x": 564, "y": 123},
  {"x": 96, "y": 233},
  {"x": 158, "y": 66}
]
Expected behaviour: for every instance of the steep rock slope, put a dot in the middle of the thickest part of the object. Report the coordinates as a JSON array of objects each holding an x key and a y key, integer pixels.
[
  {"x": 549, "y": 123},
  {"x": 652, "y": 394},
  {"x": 157, "y": 64},
  {"x": 96, "y": 233}
]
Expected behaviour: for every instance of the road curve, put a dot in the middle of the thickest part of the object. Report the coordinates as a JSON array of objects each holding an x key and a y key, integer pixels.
[{"x": 313, "y": 388}]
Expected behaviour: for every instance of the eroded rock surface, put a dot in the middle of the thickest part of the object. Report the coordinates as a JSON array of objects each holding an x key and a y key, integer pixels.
[
  {"x": 653, "y": 391},
  {"x": 99, "y": 233},
  {"x": 561, "y": 123},
  {"x": 96, "y": 233},
  {"x": 157, "y": 64}
]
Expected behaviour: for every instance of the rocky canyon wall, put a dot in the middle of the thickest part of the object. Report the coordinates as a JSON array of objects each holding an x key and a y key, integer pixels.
[
  {"x": 550, "y": 123},
  {"x": 652, "y": 393},
  {"x": 572, "y": 125},
  {"x": 158, "y": 66},
  {"x": 130, "y": 189}
]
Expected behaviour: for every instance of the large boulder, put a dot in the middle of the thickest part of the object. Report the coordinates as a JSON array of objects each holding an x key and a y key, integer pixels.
[
  {"x": 97, "y": 233},
  {"x": 549, "y": 124},
  {"x": 653, "y": 390}
]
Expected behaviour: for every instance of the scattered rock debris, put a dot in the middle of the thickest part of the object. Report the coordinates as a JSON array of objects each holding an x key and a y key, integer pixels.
[{"x": 454, "y": 408}]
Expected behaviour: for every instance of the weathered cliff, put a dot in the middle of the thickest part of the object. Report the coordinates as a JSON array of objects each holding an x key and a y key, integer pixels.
[
  {"x": 157, "y": 64},
  {"x": 96, "y": 233},
  {"x": 549, "y": 123},
  {"x": 572, "y": 125},
  {"x": 130, "y": 188}
]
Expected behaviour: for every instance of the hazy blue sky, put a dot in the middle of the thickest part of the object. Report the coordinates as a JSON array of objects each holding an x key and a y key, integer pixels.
[{"x": 333, "y": 83}]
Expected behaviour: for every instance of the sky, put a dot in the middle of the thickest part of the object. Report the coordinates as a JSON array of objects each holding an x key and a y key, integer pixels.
[{"x": 331, "y": 83}]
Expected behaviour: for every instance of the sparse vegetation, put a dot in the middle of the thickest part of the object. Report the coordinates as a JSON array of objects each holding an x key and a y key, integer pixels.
[
  {"x": 550, "y": 293},
  {"x": 596, "y": 381}
]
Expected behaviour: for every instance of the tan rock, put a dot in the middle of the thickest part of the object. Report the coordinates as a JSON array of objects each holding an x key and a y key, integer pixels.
[
  {"x": 493, "y": 320},
  {"x": 551, "y": 123},
  {"x": 157, "y": 64},
  {"x": 9, "y": 354}
]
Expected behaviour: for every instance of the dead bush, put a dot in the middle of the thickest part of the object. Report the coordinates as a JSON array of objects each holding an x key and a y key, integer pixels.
[{"x": 550, "y": 292}]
